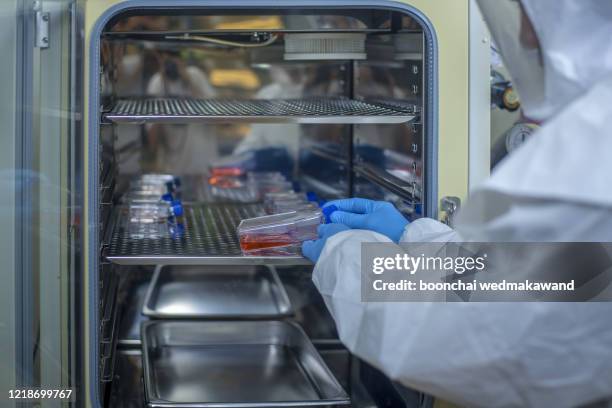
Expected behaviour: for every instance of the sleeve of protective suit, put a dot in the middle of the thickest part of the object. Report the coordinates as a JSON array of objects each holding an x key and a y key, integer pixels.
[
  {"x": 429, "y": 230},
  {"x": 477, "y": 354}
]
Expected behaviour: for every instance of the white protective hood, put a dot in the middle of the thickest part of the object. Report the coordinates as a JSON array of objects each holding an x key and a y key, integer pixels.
[
  {"x": 575, "y": 49},
  {"x": 570, "y": 156}
]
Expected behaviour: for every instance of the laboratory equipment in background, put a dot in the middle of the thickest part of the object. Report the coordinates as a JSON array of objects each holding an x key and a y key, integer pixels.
[
  {"x": 511, "y": 140},
  {"x": 503, "y": 95},
  {"x": 508, "y": 128}
]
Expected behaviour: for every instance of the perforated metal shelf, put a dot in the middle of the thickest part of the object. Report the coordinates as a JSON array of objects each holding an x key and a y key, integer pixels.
[
  {"x": 197, "y": 189},
  {"x": 209, "y": 239},
  {"x": 310, "y": 110}
]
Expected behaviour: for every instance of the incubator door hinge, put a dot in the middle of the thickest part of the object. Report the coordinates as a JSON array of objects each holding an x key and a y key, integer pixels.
[
  {"x": 450, "y": 206},
  {"x": 42, "y": 25}
]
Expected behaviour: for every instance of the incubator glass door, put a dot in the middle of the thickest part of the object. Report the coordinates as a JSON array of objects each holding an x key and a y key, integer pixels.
[{"x": 39, "y": 202}]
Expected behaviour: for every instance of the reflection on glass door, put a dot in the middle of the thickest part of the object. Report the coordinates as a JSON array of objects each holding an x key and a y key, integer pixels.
[{"x": 39, "y": 201}]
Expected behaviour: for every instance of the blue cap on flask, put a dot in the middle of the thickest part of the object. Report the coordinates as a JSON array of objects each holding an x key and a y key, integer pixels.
[
  {"x": 177, "y": 230},
  {"x": 327, "y": 212},
  {"x": 312, "y": 196},
  {"x": 176, "y": 210},
  {"x": 418, "y": 208}
]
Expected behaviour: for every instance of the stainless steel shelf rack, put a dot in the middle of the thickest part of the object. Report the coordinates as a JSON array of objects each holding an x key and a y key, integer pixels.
[
  {"x": 209, "y": 239},
  {"x": 407, "y": 190},
  {"x": 309, "y": 110}
]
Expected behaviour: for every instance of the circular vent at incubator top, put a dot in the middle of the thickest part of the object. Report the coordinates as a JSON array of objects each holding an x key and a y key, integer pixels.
[{"x": 324, "y": 46}]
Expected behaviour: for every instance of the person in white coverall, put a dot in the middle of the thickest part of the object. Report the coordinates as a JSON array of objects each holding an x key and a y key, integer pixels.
[
  {"x": 262, "y": 135},
  {"x": 180, "y": 148},
  {"x": 555, "y": 188}
]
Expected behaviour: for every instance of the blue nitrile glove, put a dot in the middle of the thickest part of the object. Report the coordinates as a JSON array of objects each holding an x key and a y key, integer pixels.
[
  {"x": 312, "y": 249},
  {"x": 378, "y": 216}
]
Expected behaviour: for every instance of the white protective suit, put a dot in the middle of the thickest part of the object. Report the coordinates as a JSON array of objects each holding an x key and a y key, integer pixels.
[
  {"x": 186, "y": 146},
  {"x": 553, "y": 188}
]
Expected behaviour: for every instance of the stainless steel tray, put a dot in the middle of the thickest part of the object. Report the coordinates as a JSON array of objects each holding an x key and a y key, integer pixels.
[
  {"x": 219, "y": 292},
  {"x": 209, "y": 239},
  {"x": 234, "y": 364},
  {"x": 309, "y": 110}
]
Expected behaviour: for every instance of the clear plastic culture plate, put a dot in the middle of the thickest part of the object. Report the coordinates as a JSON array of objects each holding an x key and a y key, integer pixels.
[{"x": 278, "y": 234}]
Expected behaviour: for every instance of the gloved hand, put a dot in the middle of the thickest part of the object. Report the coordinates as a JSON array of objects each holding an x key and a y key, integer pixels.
[
  {"x": 378, "y": 216},
  {"x": 312, "y": 249}
]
